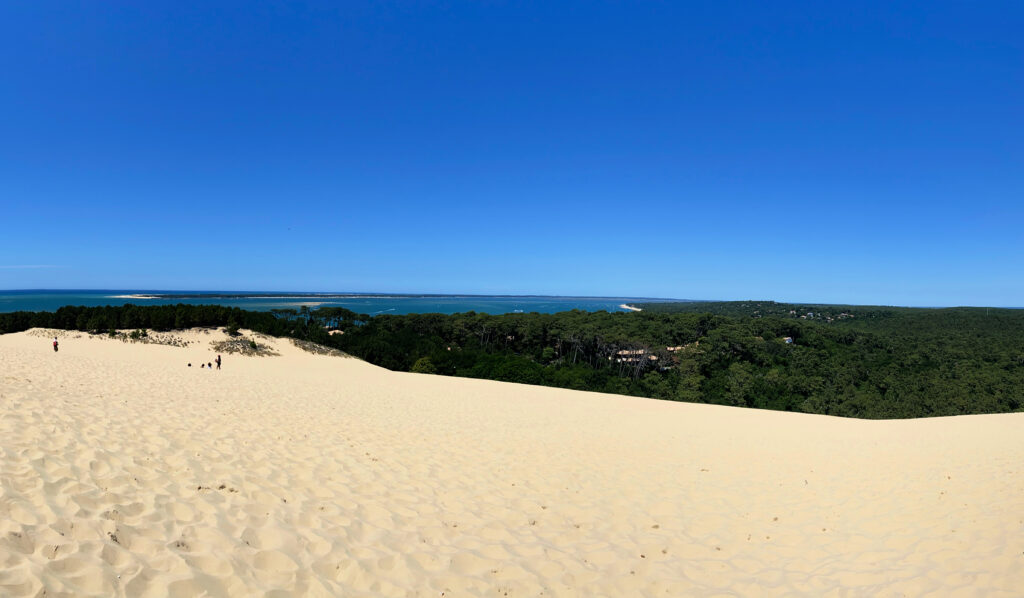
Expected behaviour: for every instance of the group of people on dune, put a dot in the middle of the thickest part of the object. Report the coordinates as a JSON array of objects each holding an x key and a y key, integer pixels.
[{"x": 208, "y": 365}]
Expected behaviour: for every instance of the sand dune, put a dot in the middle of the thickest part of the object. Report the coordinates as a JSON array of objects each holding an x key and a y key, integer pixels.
[{"x": 125, "y": 473}]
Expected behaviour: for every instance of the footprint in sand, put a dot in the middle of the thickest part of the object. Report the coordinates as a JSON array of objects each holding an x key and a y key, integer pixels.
[
  {"x": 68, "y": 565},
  {"x": 19, "y": 542},
  {"x": 58, "y": 551},
  {"x": 274, "y": 562}
]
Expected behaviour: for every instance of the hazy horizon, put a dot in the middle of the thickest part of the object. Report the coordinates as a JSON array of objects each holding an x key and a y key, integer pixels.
[{"x": 367, "y": 294}]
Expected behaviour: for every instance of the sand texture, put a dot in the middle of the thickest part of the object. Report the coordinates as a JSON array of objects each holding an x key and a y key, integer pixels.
[{"x": 125, "y": 473}]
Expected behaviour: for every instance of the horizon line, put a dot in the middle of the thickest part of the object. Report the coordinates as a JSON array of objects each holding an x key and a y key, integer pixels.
[{"x": 299, "y": 294}]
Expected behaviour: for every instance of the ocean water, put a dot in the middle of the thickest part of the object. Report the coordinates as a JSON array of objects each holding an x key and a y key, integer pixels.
[{"x": 360, "y": 303}]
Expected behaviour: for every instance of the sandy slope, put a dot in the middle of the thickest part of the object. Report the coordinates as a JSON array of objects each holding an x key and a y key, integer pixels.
[{"x": 123, "y": 472}]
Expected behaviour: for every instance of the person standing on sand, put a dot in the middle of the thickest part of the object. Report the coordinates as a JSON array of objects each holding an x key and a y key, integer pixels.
[
  {"x": 54, "y": 344},
  {"x": 218, "y": 362}
]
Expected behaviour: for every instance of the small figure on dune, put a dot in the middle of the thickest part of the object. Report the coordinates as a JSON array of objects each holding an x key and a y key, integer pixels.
[
  {"x": 209, "y": 366},
  {"x": 54, "y": 344},
  {"x": 217, "y": 361},
  {"x": 202, "y": 366},
  {"x": 190, "y": 364}
]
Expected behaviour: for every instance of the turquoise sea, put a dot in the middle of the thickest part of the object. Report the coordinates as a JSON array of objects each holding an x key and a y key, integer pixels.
[{"x": 373, "y": 304}]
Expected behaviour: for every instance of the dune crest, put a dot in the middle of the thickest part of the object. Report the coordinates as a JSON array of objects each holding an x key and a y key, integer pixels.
[{"x": 124, "y": 472}]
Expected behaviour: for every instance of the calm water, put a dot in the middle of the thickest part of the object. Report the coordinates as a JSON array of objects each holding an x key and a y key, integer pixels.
[{"x": 367, "y": 304}]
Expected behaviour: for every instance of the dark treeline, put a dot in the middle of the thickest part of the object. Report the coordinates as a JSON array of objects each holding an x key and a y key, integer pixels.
[
  {"x": 300, "y": 324},
  {"x": 840, "y": 360}
]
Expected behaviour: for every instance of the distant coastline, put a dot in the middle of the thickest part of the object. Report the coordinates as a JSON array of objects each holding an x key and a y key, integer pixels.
[
  {"x": 289, "y": 295},
  {"x": 368, "y": 303}
]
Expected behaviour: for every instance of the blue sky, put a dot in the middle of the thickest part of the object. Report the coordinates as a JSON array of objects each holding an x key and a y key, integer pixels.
[{"x": 838, "y": 152}]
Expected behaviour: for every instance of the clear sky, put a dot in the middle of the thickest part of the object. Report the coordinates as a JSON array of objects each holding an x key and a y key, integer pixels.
[{"x": 828, "y": 151}]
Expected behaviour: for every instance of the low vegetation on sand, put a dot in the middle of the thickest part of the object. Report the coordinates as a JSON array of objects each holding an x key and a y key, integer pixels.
[{"x": 244, "y": 346}]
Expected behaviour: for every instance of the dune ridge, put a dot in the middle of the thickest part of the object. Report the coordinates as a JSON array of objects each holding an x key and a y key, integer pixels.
[{"x": 123, "y": 472}]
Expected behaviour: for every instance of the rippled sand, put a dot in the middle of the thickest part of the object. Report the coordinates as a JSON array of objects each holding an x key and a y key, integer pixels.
[{"x": 125, "y": 473}]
